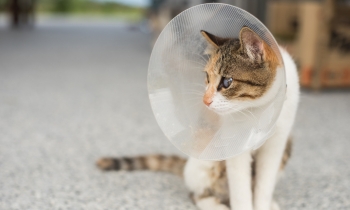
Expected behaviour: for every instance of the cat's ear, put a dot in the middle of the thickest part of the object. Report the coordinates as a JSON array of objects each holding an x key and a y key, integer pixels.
[
  {"x": 257, "y": 49},
  {"x": 214, "y": 42},
  {"x": 252, "y": 44}
]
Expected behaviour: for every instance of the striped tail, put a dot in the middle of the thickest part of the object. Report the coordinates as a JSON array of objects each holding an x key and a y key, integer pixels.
[{"x": 171, "y": 164}]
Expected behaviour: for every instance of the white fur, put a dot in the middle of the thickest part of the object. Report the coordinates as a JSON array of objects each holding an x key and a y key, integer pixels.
[
  {"x": 268, "y": 157},
  {"x": 210, "y": 204},
  {"x": 196, "y": 175},
  {"x": 240, "y": 181}
]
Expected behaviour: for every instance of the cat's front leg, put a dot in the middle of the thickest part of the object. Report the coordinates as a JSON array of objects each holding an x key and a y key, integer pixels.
[
  {"x": 239, "y": 180},
  {"x": 268, "y": 161}
]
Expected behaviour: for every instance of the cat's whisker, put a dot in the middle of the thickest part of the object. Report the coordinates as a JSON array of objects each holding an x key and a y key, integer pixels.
[
  {"x": 198, "y": 61},
  {"x": 236, "y": 108},
  {"x": 201, "y": 56},
  {"x": 250, "y": 103},
  {"x": 195, "y": 98},
  {"x": 199, "y": 84},
  {"x": 239, "y": 111},
  {"x": 207, "y": 58},
  {"x": 195, "y": 92},
  {"x": 195, "y": 95},
  {"x": 203, "y": 48},
  {"x": 251, "y": 114},
  {"x": 196, "y": 67},
  {"x": 198, "y": 98},
  {"x": 201, "y": 64}
]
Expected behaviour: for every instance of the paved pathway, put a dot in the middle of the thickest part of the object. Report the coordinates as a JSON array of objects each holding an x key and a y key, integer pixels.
[{"x": 70, "y": 94}]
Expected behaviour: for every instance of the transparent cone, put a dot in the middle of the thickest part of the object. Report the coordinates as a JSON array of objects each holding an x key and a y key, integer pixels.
[{"x": 176, "y": 86}]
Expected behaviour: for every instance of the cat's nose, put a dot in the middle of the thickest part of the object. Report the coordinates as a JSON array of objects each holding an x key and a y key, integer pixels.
[
  {"x": 207, "y": 101},
  {"x": 208, "y": 96}
]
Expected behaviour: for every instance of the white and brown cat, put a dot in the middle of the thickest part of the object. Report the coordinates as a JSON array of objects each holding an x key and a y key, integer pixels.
[{"x": 240, "y": 72}]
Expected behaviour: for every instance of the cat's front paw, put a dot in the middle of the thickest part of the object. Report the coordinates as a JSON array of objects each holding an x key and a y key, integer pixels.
[
  {"x": 275, "y": 206},
  {"x": 210, "y": 203}
]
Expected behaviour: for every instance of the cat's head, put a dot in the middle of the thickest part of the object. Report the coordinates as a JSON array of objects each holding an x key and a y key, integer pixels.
[{"x": 240, "y": 72}]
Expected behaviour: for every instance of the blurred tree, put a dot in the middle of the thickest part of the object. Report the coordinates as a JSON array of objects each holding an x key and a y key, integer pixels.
[
  {"x": 63, "y": 6},
  {"x": 3, "y": 4},
  {"x": 68, "y": 6}
]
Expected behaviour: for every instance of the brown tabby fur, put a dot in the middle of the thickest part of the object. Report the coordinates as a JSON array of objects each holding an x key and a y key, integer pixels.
[{"x": 172, "y": 164}]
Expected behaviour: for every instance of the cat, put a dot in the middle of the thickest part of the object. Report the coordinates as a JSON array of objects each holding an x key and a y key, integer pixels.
[{"x": 242, "y": 72}]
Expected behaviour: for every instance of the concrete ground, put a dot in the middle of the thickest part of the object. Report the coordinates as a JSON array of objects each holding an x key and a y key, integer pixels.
[{"x": 71, "y": 93}]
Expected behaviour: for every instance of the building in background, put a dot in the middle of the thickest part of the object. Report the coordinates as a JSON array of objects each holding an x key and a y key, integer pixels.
[
  {"x": 317, "y": 33},
  {"x": 319, "y": 36}
]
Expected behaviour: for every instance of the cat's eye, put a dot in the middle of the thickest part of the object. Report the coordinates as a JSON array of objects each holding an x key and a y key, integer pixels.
[{"x": 226, "y": 82}]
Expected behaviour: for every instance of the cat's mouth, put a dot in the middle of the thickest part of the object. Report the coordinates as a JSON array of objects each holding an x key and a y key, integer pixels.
[
  {"x": 226, "y": 107},
  {"x": 219, "y": 104},
  {"x": 221, "y": 110}
]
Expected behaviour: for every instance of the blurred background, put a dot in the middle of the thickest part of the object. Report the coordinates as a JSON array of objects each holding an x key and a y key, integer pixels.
[{"x": 73, "y": 88}]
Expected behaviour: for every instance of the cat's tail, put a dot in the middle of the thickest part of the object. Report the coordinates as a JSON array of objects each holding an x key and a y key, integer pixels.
[{"x": 171, "y": 164}]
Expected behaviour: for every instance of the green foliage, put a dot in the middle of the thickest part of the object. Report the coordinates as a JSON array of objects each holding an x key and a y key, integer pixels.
[
  {"x": 85, "y": 7},
  {"x": 74, "y": 6},
  {"x": 63, "y": 6},
  {"x": 67, "y": 6},
  {"x": 2, "y": 5}
]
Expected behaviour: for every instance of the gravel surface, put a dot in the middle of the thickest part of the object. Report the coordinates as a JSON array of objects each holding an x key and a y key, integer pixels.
[{"x": 71, "y": 94}]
